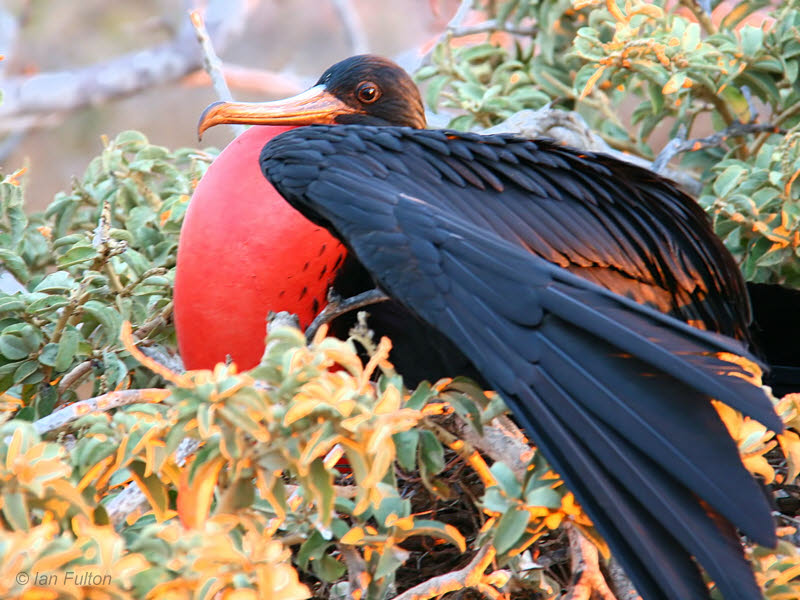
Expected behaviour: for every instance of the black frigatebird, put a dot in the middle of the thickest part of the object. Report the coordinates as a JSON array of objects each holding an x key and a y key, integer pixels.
[{"x": 567, "y": 280}]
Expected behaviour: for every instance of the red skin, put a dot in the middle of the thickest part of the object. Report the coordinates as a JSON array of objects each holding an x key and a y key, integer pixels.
[{"x": 243, "y": 252}]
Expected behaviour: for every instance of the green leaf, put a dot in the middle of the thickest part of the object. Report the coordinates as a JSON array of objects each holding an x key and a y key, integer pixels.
[
  {"x": 752, "y": 39},
  {"x": 727, "y": 180},
  {"x": 131, "y": 138},
  {"x": 67, "y": 349},
  {"x": 16, "y": 265},
  {"x": 328, "y": 568},
  {"x": 13, "y": 347},
  {"x": 77, "y": 254},
  {"x": 312, "y": 549},
  {"x": 46, "y": 304},
  {"x": 405, "y": 443},
  {"x": 431, "y": 453},
  {"x": 390, "y": 560},
  {"x": 691, "y": 37},
  {"x": 28, "y": 373},
  {"x": 510, "y": 529},
  {"x": 506, "y": 479},
  {"x": 69, "y": 240},
  {"x": 15, "y": 510},
  {"x": 48, "y": 355},
  {"x": 434, "y": 90},
  {"x": 56, "y": 282},
  {"x": 11, "y": 303},
  {"x": 543, "y": 496},
  {"x": 107, "y": 316}
]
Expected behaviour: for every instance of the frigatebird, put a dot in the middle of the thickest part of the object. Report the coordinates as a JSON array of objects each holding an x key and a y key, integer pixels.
[{"x": 591, "y": 294}]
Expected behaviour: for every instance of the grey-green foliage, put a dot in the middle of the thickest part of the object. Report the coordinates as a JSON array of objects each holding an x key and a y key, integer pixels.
[
  {"x": 639, "y": 72},
  {"x": 85, "y": 274}
]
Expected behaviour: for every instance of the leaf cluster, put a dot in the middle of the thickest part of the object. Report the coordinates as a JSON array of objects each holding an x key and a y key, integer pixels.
[
  {"x": 639, "y": 71},
  {"x": 263, "y": 482},
  {"x": 100, "y": 254}
]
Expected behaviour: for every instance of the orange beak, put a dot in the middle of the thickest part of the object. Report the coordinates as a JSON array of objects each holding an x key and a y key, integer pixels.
[{"x": 314, "y": 106}]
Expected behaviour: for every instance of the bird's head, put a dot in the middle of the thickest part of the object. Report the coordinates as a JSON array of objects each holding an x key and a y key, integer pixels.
[{"x": 365, "y": 89}]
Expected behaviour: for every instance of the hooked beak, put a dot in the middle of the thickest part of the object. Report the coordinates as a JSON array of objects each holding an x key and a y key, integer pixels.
[{"x": 314, "y": 106}]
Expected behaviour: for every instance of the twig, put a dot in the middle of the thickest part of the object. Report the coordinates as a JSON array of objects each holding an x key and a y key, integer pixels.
[
  {"x": 680, "y": 144},
  {"x": 461, "y": 13},
  {"x": 779, "y": 120},
  {"x": 498, "y": 442},
  {"x": 336, "y": 307},
  {"x": 356, "y": 571},
  {"x": 493, "y": 25},
  {"x": 466, "y": 451},
  {"x": 153, "y": 323},
  {"x": 463, "y": 10},
  {"x": 68, "y": 414},
  {"x": 702, "y": 12},
  {"x": 213, "y": 65},
  {"x": 72, "y": 378},
  {"x": 353, "y": 26},
  {"x": 588, "y": 579},
  {"x": 622, "y": 584},
  {"x": 470, "y": 576}
]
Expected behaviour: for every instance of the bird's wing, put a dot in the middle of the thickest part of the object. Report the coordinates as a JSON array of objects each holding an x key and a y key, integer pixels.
[
  {"x": 616, "y": 224},
  {"x": 615, "y": 394}
]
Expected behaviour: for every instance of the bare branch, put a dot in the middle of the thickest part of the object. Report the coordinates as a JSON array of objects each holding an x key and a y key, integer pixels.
[
  {"x": 570, "y": 128},
  {"x": 681, "y": 144},
  {"x": 469, "y": 576},
  {"x": 356, "y": 34},
  {"x": 213, "y": 65},
  {"x": 493, "y": 25},
  {"x": 72, "y": 378},
  {"x": 337, "y": 307},
  {"x": 68, "y": 414},
  {"x": 30, "y": 101},
  {"x": 588, "y": 579}
]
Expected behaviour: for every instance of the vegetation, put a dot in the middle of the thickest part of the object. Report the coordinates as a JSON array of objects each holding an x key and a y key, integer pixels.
[{"x": 261, "y": 510}]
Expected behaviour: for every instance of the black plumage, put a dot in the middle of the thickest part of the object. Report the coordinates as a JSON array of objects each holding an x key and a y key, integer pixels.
[
  {"x": 566, "y": 281},
  {"x": 477, "y": 235}
]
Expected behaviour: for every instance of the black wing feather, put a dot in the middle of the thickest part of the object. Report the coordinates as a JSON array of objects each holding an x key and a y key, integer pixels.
[{"x": 615, "y": 394}]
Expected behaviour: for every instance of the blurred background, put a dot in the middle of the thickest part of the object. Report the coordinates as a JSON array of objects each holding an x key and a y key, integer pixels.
[{"x": 74, "y": 71}]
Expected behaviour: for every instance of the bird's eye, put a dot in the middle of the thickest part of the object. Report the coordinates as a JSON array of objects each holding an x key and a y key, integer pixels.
[{"x": 367, "y": 92}]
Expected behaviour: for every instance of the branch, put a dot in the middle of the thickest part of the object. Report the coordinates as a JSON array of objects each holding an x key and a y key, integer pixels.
[
  {"x": 454, "y": 24},
  {"x": 72, "y": 378},
  {"x": 29, "y": 101},
  {"x": 337, "y": 307},
  {"x": 589, "y": 582},
  {"x": 572, "y": 130},
  {"x": 68, "y": 414},
  {"x": 353, "y": 26},
  {"x": 213, "y": 65},
  {"x": 680, "y": 144},
  {"x": 356, "y": 571},
  {"x": 701, "y": 9},
  {"x": 470, "y": 576},
  {"x": 493, "y": 25}
]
